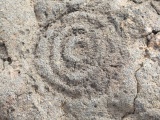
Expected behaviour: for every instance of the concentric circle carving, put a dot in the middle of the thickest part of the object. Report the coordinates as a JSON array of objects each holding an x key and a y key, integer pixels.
[{"x": 73, "y": 53}]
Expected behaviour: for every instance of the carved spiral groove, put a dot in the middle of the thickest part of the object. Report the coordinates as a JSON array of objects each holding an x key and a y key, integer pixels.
[{"x": 73, "y": 53}]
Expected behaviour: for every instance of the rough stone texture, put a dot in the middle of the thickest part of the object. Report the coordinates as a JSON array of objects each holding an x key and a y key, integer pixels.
[{"x": 79, "y": 60}]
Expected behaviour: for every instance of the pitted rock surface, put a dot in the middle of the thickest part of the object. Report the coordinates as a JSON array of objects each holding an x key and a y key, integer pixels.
[
  {"x": 80, "y": 53},
  {"x": 80, "y": 60}
]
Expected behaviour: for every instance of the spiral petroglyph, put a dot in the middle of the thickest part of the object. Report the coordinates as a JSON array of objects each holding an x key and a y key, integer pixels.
[
  {"x": 79, "y": 59},
  {"x": 74, "y": 52}
]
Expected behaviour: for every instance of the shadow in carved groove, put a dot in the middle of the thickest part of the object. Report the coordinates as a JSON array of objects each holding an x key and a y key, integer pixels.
[{"x": 75, "y": 55}]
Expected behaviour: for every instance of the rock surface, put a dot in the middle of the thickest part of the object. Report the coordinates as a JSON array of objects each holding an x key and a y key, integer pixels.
[{"x": 80, "y": 60}]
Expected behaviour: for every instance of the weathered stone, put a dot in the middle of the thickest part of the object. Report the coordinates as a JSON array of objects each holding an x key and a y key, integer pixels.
[{"x": 79, "y": 60}]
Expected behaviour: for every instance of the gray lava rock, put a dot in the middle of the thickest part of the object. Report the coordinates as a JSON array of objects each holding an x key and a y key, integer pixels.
[{"x": 79, "y": 60}]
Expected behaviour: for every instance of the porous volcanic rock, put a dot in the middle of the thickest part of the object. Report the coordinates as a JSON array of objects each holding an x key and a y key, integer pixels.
[{"x": 79, "y": 60}]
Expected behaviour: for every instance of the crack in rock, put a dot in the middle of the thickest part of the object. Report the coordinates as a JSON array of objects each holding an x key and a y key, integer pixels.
[{"x": 138, "y": 90}]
